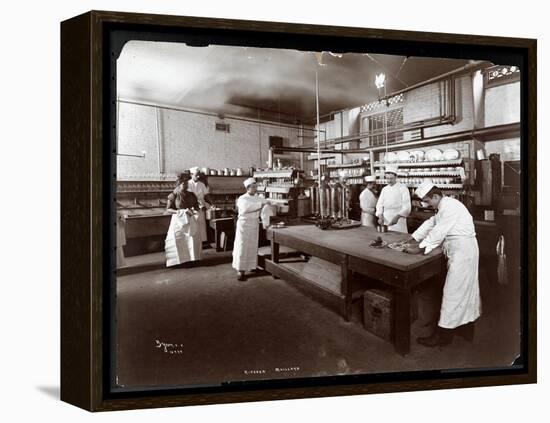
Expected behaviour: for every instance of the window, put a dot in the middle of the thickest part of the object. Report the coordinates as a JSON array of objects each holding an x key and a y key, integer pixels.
[{"x": 393, "y": 118}]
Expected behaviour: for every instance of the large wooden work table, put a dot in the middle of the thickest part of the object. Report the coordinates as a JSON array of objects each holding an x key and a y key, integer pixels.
[{"x": 349, "y": 248}]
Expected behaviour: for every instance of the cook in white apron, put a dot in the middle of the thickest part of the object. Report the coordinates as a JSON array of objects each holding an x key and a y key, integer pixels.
[
  {"x": 183, "y": 242},
  {"x": 245, "y": 249},
  {"x": 394, "y": 203},
  {"x": 201, "y": 191},
  {"x": 120, "y": 239},
  {"x": 367, "y": 202},
  {"x": 453, "y": 227}
]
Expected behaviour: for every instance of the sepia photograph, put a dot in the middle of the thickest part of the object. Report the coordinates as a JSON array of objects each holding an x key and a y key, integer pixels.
[{"x": 290, "y": 214}]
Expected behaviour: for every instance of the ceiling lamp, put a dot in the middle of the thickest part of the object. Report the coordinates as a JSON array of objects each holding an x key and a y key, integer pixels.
[{"x": 380, "y": 80}]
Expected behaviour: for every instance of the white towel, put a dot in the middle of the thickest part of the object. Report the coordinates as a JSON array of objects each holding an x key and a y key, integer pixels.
[{"x": 267, "y": 212}]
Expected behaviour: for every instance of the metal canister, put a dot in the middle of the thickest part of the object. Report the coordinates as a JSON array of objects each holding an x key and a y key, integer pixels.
[
  {"x": 324, "y": 200},
  {"x": 314, "y": 195},
  {"x": 337, "y": 198},
  {"x": 303, "y": 206}
]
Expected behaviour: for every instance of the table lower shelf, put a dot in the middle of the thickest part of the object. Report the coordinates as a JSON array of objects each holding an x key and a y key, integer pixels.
[{"x": 330, "y": 299}]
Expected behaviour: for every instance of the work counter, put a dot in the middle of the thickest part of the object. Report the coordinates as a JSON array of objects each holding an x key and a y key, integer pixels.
[{"x": 349, "y": 249}]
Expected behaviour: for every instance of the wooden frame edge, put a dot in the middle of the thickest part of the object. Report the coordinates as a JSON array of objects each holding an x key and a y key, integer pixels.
[{"x": 82, "y": 221}]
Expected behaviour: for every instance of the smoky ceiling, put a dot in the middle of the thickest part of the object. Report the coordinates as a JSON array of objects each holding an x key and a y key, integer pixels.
[{"x": 266, "y": 83}]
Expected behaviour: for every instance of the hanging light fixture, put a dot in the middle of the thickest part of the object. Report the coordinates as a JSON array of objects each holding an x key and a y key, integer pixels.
[{"x": 380, "y": 80}]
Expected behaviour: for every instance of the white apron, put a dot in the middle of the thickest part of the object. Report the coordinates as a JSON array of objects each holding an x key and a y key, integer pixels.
[
  {"x": 120, "y": 241},
  {"x": 245, "y": 248},
  {"x": 183, "y": 243},
  {"x": 200, "y": 190},
  {"x": 400, "y": 226},
  {"x": 367, "y": 201},
  {"x": 201, "y": 220},
  {"x": 394, "y": 200},
  {"x": 461, "y": 300},
  {"x": 368, "y": 219}
]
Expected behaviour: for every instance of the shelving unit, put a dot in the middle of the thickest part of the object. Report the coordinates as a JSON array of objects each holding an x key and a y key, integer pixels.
[
  {"x": 456, "y": 162},
  {"x": 279, "y": 186},
  {"x": 346, "y": 165},
  {"x": 450, "y": 170},
  {"x": 415, "y": 185}
]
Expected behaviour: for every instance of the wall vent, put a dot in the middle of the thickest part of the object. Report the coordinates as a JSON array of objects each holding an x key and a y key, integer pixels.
[{"x": 223, "y": 127}]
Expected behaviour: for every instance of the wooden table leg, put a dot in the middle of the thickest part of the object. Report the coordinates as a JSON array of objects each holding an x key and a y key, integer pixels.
[
  {"x": 402, "y": 321},
  {"x": 274, "y": 254},
  {"x": 217, "y": 239},
  {"x": 347, "y": 289},
  {"x": 274, "y": 251}
]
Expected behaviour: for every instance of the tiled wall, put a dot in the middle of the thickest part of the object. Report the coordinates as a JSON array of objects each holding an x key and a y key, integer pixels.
[
  {"x": 426, "y": 102},
  {"x": 502, "y": 104},
  {"x": 509, "y": 149},
  {"x": 189, "y": 139}
]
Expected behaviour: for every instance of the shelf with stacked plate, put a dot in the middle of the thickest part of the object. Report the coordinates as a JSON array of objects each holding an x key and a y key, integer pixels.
[
  {"x": 456, "y": 162},
  {"x": 409, "y": 184},
  {"x": 451, "y": 178},
  {"x": 443, "y": 169},
  {"x": 353, "y": 172}
]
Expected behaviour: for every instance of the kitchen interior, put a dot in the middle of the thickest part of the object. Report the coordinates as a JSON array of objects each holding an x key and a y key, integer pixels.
[{"x": 308, "y": 127}]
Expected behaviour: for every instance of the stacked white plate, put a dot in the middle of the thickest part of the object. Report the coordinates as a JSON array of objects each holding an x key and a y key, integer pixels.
[
  {"x": 451, "y": 154},
  {"x": 434, "y": 155}
]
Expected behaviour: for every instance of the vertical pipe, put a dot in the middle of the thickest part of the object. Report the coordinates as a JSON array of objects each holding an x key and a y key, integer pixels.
[
  {"x": 160, "y": 152},
  {"x": 386, "y": 121},
  {"x": 270, "y": 158},
  {"x": 117, "y": 125},
  {"x": 321, "y": 193},
  {"x": 301, "y": 145},
  {"x": 260, "y": 142}
]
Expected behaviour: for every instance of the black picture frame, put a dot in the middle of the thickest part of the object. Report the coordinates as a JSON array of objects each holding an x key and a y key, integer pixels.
[{"x": 89, "y": 45}]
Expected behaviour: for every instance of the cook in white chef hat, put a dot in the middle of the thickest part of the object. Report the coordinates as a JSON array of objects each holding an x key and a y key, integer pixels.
[
  {"x": 391, "y": 169},
  {"x": 423, "y": 189},
  {"x": 248, "y": 182},
  {"x": 194, "y": 170}
]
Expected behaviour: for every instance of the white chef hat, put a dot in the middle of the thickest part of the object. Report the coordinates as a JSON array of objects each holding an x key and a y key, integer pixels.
[
  {"x": 423, "y": 189},
  {"x": 249, "y": 181},
  {"x": 370, "y": 178},
  {"x": 194, "y": 170},
  {"x": 391, "y": 169}
]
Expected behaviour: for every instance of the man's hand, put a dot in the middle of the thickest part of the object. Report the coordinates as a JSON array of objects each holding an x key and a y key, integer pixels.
[{"x": 393, "y": 220}]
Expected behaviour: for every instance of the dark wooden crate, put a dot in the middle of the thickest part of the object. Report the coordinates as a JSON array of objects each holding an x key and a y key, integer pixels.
[{"x": 378, "y": 312}]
